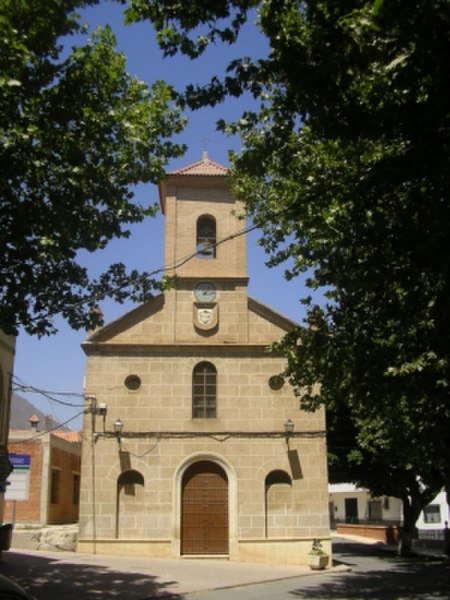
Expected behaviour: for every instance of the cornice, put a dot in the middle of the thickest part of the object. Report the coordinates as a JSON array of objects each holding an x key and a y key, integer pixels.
[
  {"x": 271, "y": 315},
  {"x": 181, "y": 350}
]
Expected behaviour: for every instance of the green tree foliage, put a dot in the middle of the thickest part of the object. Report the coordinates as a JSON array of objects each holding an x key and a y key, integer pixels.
[
  {"x": 210, "y": 21},
  {"x": 76, "y": 132},
  {"x": 346, "y": 169}
]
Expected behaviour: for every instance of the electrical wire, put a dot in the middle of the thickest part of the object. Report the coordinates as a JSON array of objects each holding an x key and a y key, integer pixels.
[
  {"x": 21, "y": 387},
  {"x": 149, "y": 451},
  {"x": 94, "y": 299},
  {"x": 167, "y": 268},
  {"x": 42, "y": 433}
]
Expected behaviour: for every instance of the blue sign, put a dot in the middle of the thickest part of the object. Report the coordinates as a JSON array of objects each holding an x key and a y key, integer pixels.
[
  {"x": 20, "y": 461},
  {"x": 19, "y": 479}
]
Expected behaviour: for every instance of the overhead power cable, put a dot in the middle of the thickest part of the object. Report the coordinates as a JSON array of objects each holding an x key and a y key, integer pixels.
[
  {"x": 42, "y": 433},
  {"x": 94, "y": 299},
  {"x": 168, "y": 268},
  {"x": 19, "y": 386}
]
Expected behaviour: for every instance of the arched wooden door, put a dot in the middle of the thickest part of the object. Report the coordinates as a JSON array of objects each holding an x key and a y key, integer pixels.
[{"x": 204, "y": 517}]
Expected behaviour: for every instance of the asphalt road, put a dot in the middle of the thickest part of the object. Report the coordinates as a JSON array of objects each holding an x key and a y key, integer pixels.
[{"x": 376, "y": 574}]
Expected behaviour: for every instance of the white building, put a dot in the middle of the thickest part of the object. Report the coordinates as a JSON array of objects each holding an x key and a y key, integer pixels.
[
  {"x": 434, "y": 516},
  {"x": 355, "y": 510}
]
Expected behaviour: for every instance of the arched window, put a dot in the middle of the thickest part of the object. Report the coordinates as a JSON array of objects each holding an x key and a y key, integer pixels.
[
  {"x": 206, "y": 237},
  {"x": 204, "y": 391}
]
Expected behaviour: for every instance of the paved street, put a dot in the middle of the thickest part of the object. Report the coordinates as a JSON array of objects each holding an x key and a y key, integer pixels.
[
  {"x": 73, "y": 576},
  {"x": 376, "y": 574}
]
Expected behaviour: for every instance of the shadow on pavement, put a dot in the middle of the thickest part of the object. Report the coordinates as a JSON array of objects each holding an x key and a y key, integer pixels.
[
  {"x": 395, "y": 578},
  {"x": 380, "y": 550},
  {"x": 48, "y": 579},
  {"x": 380, "y": 585}
]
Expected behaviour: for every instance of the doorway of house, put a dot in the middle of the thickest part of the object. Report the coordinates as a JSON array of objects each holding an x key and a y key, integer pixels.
[
  {"x": 204, "y": 512},
  {"x": 375, "y": 510},
  {"x": 351, "y": 510}
]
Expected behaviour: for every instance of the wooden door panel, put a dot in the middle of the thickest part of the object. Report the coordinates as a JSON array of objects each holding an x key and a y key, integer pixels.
[{"x": 204, "y": 522}]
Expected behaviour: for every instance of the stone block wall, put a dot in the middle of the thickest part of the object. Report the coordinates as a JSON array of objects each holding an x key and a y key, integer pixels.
[{"x": 246, "y": 438}]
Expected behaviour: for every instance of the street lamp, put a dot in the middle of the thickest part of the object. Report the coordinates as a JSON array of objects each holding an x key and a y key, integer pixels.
[
  {"x": 118, "y": 426},
  {"x": 288, "y": 429}
]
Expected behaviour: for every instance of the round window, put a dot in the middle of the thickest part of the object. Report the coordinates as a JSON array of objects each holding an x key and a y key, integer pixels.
[
  {"x": 133, "y": 382},
  {"x": 276, "y": 382}
]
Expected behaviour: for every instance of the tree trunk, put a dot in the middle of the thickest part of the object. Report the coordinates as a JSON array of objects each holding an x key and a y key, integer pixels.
[
  {"x": 404, "y": 546},
  {"x": 412, "y": 506}
]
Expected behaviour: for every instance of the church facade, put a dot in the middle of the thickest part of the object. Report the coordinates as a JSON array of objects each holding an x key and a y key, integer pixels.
[{"x": 194, "y": 446}]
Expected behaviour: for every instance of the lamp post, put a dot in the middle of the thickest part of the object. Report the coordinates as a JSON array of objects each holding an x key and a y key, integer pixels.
[
  {"x": 118, "y": 426},
  {"x": 288, "y": 429}
]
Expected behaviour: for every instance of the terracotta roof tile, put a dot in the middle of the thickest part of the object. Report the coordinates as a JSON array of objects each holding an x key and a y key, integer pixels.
[
  {"x": 18, "y": 430},
  {"x": 205, "y": 166},
  {"x": 70, "y": 436}
]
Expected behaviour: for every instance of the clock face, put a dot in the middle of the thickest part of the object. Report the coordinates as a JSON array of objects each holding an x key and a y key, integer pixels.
[{"x": 205, "y": 292}]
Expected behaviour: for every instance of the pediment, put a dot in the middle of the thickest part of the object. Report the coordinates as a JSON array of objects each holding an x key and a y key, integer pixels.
[
  {"x": 265, "y": 325},
  {"x": 153, "y": 325},
  {"x": 272, "y": 316},
  {"x": 132, "y": 320}
]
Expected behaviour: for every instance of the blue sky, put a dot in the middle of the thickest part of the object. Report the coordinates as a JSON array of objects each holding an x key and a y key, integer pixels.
[{"x": 57, "y": 363}]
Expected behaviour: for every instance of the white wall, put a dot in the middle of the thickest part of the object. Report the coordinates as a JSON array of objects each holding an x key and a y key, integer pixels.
[
  {"x": 443, "y": 514},
  {"x": 391, "y": 509},
  {"x": 338, "y": 493}
]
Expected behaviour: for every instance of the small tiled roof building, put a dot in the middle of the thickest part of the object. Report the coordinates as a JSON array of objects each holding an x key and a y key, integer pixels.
[
  {"x": 202, "y": 466},
  {"x": 52, "y": 481}
]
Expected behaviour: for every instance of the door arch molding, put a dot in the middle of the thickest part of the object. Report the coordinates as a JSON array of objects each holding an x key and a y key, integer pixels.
[{"x": 232, "y": 498}]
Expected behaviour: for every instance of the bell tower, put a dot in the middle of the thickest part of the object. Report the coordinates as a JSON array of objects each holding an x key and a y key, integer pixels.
[
  {"x": 202, "y": 223},
  {"x": 205, "y": 249}
]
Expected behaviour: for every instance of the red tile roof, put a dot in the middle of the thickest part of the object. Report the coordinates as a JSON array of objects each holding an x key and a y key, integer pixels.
[
  {"x": 205, "y": 166},
  {"x": 70, "y": 436}
]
